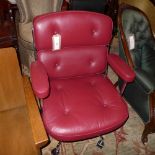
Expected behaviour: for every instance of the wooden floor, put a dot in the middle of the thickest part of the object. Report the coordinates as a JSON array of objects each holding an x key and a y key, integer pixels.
[{"x": 146, "y": 6}]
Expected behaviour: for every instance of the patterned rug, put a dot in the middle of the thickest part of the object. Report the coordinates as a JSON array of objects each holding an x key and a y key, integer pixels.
[{"x": 124, "y": 141}]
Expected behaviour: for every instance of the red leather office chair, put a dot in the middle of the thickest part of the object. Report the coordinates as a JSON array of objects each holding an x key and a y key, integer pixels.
[{"x": 79, "y": 100}]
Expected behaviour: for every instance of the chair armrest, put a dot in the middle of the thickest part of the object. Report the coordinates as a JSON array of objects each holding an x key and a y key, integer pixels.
[
  {"x": 39, "y": 79},
  {"x": 121, "y": 68},
  {"x": 146, "y": 80},
  {"x": 38, "y": 130}
]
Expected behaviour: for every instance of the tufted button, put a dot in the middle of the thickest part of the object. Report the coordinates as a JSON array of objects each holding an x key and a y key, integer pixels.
[
  {"x": 92, "y": 63},
  {"x": 92, "y": 83},
  {"x": 104, "y": 105},
  {"x": 66, "y": 111},
  {"x": 57, "y": 66},
  {"x": 59, "y": 87},
  {"x": 94, "y": 32}
]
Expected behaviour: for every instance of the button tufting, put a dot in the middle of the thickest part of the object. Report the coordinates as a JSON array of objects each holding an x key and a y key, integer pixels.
[
  {"x": 92, "y": 63},
  {"x": 94, "y": 32},
  {"x": 104, "y": 105},
  {"x": 59, "y": 87},
  {"x": 56, "y": 64},
  {"x": 92, "y": 83},
  {"x": 58, "y": 67},
  {"x": 66, "y": 111}
]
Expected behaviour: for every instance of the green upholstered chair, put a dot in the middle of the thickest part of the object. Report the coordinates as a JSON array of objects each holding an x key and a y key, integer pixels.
[{"x": 137, "y": 47}]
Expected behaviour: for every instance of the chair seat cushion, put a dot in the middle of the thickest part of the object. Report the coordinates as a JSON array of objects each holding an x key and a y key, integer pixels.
[{"x": 83, "y": 107}]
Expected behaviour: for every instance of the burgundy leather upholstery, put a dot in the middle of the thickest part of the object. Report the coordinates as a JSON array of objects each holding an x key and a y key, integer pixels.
[
  {"x": 79, "y": 101},
  {"x": 89, "y": 33}
]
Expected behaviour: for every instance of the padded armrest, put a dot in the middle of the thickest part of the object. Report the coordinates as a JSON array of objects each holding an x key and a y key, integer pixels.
[
  {"x": 39, "y": 79},
  {"x": 38, "y": 130},
  {"x": 145, "y": 80},
  {"x": 121, "y": 68}
]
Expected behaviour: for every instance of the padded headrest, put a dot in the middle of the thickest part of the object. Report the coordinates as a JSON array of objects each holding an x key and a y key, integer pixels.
[
  {"x": 76, "y": 28},
  {"x": 134, "y": 22}
]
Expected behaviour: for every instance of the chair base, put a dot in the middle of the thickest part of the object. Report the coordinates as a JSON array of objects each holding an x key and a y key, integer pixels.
[{"x": 56, "y": 150}]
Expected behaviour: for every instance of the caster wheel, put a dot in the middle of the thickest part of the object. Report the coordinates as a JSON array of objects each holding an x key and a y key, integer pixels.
[
  {"x": 55, "y": 151},
  {"x": 100, "y": 143}
]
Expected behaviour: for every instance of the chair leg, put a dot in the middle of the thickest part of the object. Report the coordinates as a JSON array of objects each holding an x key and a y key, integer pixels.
[
  {"x": 144, "y": 137},
  {"x": 149, "y": 129}
]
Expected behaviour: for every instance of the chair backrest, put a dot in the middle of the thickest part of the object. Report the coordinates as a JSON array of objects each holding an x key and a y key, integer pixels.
[
  {"x": 85, "y": 37},
  {"x": 136, "y": 34},
  {"x": 30, "y": 8}
]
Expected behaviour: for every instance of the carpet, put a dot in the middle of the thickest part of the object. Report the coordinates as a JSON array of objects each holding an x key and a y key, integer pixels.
[{"x": 124, "y": 141}]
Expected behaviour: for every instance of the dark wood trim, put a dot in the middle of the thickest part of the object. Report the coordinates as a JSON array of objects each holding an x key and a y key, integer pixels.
[
  {"x": 65, "y": 5},
  {"x": 153, "y": 1},
  {"x": 122, "y": 7},
  {"x": 150, "y": 126}
]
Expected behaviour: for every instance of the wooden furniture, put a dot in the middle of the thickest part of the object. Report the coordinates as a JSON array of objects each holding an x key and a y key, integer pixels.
[
  {"x": 21, "y": 128},
  {"x": 7, "y": 24}
]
